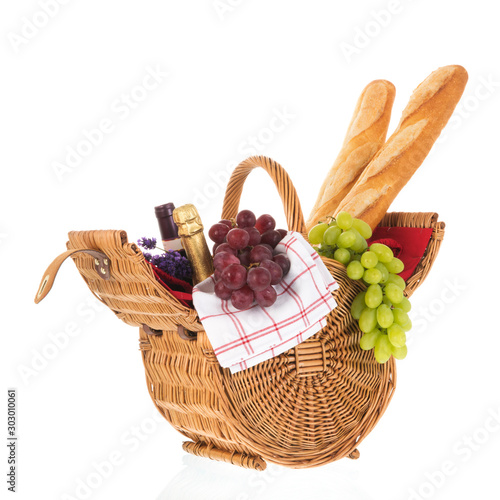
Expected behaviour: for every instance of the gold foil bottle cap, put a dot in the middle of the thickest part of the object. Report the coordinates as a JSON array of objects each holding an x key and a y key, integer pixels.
[{"x": 188, "y": 220}]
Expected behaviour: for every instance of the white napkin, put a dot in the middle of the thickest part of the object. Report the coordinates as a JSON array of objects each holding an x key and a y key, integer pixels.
[{"x": 242, "y": 339}]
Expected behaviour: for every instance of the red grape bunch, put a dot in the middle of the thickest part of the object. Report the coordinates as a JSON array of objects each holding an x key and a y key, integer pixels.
[{"x": 245, "y": 260}]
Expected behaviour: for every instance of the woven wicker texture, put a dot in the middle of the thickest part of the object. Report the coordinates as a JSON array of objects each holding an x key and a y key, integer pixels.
[
  {"x": 307, "y": 407},
  {"x": 133, "y": 293}
]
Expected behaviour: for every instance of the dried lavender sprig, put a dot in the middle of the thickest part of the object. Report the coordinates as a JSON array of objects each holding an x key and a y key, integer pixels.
[
  {"x": 171, "y": 262},
  {"x": 147, "y": 243}
]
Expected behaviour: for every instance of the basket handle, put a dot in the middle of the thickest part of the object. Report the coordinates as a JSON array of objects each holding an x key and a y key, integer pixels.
[
  {"x": 286, "y": 190},
  {"x": 101, "y": 265}
]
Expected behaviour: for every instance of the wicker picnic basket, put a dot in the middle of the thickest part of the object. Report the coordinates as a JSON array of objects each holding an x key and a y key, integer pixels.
[{"x": 307, "y": 407}]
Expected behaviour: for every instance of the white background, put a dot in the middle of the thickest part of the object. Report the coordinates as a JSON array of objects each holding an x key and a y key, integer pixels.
[{"x": 231, "y": 67}]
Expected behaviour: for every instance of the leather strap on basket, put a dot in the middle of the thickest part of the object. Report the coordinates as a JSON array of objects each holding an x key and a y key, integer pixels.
[
  {"x": 101, "y": 262},
  {"x": 286, "y": 190}
]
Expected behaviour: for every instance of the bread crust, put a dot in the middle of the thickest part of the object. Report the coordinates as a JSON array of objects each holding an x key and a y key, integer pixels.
[
  {"x": 429, "y": 109},
  {"x": 365, "y": 136}
]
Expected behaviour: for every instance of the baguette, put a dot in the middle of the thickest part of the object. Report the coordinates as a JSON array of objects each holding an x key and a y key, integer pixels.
[
  {"x": 430, "y": 107},
  {"x": 365, "y": 136}
]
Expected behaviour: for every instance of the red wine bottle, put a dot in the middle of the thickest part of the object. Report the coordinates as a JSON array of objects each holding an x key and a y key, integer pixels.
[{"x": 168, "y": 228}]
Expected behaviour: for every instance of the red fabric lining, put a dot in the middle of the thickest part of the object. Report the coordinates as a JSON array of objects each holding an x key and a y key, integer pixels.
[
  {"x": 408, "y": 244},
  {"x": 179, "y": 289}
]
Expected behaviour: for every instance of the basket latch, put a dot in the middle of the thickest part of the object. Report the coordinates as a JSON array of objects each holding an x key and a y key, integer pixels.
[{"x": 310, "y": 358}]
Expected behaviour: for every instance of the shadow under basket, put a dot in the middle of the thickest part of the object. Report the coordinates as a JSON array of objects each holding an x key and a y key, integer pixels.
[{"x": 307, "y": 407}]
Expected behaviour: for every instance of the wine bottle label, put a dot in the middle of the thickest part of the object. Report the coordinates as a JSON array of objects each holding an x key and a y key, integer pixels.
[{"x": 173, "y": 244}]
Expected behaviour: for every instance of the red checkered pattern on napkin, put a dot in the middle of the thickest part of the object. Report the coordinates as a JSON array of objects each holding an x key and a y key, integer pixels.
[{"x": 241, "y": 339}]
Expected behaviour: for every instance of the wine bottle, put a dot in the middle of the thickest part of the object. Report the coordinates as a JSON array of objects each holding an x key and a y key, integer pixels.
[
  {"x": 168, "y": 229},
  {"x": 190, "y": 229}
]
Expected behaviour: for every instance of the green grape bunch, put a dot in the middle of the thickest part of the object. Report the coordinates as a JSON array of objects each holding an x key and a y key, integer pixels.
[{"x": 382, "y": 309}]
